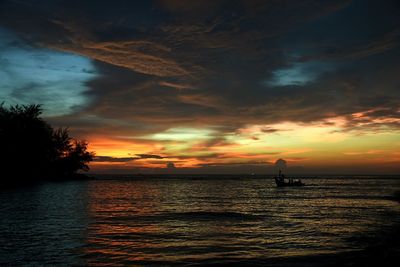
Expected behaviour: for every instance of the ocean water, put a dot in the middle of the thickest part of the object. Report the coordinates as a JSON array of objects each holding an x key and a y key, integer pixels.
[{"x": 187, "y": 221}]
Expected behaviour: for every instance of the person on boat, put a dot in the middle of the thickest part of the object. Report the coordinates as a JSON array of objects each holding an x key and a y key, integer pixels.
[{"x": 281, "y": 177}]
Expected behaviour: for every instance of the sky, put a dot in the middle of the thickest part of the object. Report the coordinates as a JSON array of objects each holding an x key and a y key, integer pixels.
[{"x": 220, "y": 86}]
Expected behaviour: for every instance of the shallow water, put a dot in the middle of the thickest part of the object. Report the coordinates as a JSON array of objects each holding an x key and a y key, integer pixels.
[{"x": 188, "y": 221}]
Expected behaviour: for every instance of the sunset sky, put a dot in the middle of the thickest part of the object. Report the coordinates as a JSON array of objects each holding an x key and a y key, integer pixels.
[{"x": 216, "y": 86}]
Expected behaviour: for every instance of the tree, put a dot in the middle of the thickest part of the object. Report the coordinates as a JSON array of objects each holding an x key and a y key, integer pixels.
[
  {"x": 31, "y": 148},
  {"x": 75, "y": 157}
]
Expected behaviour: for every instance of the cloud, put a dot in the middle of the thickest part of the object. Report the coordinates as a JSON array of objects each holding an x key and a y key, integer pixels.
[
  {"x": 113, "y": 159},
  {"x": 375, "y": 120},
  {"x": 266, "y": 129},
  {"x": 170, "y": 165},
  {"x": 126, "y": 159},
  {"x": 184, "y": 79},
  {"x": 280, "y": 164},
  {"x": 128, "y": 54},
  {"x": 175, "y": 85},
  {"x": 149, "y": 156},
  {"x": 164, "y": 45},
  {"x": 386, "y": 42}
]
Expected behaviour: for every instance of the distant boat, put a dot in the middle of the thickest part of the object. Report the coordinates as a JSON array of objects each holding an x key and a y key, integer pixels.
[{"x": 280, "y": 181}]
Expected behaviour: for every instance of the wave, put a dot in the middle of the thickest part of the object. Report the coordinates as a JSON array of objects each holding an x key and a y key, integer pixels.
[
  {"x": 190, "y": 216},
  {"x": 205, "y": 215}
]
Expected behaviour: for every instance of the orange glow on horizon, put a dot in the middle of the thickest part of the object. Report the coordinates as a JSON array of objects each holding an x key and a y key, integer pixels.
[{"x": 321, "y": 144}]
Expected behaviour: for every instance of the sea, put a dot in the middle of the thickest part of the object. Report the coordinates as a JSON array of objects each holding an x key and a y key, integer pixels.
[{"x": 156, "y": 220}]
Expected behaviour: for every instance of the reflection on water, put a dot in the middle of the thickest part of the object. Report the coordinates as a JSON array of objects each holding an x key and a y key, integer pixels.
[
  {"x": 190, "y": 220},
  {"x": 44, "y": 224}
]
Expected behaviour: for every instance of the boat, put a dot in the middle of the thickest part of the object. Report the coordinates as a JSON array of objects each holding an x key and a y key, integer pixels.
[{"x": 280, "y": 181}]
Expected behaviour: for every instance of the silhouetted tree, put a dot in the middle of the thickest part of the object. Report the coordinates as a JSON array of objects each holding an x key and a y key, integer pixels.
[
  {"x": 30, "y": 148},
  {"x": 75, "y": 157}
]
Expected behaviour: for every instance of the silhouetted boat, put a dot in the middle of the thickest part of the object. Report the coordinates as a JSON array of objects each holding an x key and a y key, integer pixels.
[{"x": 280, "y": 181}]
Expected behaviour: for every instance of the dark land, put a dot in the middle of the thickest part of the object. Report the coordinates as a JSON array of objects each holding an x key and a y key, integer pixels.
[{"x": 32, "y": 150}]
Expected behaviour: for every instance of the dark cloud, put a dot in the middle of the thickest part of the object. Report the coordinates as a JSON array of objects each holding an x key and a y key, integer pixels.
[
  {"x": 281, "y": 164},
  {"x": 268, "y": 130},
  {"x": 220, "y": 64},
  {"x": 385, "y": 42},
  {"x": 126, "y": 159},
  {"x": 170, "y": 165},
  {"x": 113, "y": 159},
  {"x": 149, "y": 156},
  {"x": 214, "y": 57}
]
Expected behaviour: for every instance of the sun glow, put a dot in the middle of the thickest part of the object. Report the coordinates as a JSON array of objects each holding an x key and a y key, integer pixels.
[{"x": 321, "y": 143}]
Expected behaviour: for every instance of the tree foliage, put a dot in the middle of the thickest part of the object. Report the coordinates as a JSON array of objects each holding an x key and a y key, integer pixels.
[{"x": 30, "y": 148}]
